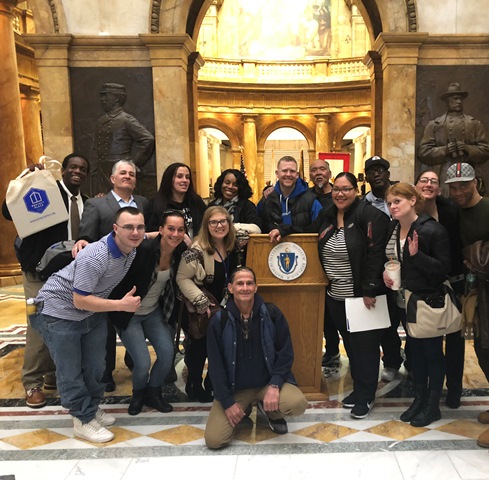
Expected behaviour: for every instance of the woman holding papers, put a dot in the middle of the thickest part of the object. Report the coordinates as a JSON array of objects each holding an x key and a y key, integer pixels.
[
  {"x": 421, "y": 244},
  {"x": 352, "y": 238}
]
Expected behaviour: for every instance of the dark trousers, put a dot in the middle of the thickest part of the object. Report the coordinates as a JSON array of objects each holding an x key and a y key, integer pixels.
[
  {"x": 331, "y": 337},
  {"x": 390, "y": 340},
  {"x": 195, "y": 357},
  {"x": 482, "y": 356},
  {"x": 362, "y": 349},
  {"x": 454, "y": 358},
  {"x": 428, "y": 362},
  {"x": 110, "y": 347}
]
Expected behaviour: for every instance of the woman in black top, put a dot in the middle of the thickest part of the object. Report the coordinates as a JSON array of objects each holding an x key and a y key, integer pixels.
[
  {"x": 422, "y": 246},
  {"x": 177, "y": 192}
]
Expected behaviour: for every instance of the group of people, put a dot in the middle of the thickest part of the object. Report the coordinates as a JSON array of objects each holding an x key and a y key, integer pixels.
[{"x": 135, "y": 260}]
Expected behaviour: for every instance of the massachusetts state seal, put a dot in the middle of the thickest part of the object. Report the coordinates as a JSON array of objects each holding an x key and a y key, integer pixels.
[{"x": 287, "y": 261}]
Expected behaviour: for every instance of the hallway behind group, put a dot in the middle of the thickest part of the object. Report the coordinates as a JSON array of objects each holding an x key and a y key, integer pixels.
[{"x": 324, "y": 441}]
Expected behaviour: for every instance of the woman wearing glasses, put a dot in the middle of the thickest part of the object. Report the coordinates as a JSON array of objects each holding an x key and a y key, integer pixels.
[
  {"x": 352, "y": 237},
  {"x": 153, "y": 272},
  {"x": 177, "y": 191},
  {"x": 208, "y": 263},
  {"x": 444, "y": 211}
]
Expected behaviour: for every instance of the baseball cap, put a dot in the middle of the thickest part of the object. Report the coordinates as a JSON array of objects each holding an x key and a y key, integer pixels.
[
  {"x": 460, "y": 172},
  {"x": 376, "y": 160}
]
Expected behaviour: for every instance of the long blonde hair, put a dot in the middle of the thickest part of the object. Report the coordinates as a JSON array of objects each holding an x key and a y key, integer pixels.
[{"x": 204, "y": 238}]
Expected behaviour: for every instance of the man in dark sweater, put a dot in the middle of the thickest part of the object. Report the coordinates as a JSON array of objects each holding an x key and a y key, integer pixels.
[
  {"x": 250, "y": 359},
  {"x": 473, "y": 226}
]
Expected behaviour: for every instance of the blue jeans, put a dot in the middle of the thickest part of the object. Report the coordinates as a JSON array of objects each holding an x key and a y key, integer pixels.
[
  {"x": 78, "y": 351},
  {"x": 151, "y": 327}
]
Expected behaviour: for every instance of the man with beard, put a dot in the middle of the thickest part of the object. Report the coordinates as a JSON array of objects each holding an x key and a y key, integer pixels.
[{"x": 474, "y": 231}]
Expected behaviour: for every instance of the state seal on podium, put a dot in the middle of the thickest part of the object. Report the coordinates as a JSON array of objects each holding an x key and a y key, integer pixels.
[{"x": 287, "y": 261}]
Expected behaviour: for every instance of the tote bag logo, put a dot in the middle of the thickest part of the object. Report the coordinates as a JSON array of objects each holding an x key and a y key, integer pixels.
[{"x": 36, "y": 200}]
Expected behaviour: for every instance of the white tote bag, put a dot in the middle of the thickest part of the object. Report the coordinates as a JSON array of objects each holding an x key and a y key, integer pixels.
[{"x": 35, "y": 202}]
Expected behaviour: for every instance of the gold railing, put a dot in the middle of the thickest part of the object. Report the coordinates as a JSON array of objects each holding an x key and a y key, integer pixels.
[{"x": 304, "y": 71}]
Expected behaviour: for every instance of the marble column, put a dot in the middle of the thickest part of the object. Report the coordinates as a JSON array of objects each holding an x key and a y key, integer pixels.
[
  {"x": 31, "y": 120},
  {"x": 51, "y": 53},
  {"x": 175, "y": 108},
  {"x": 202, "y": 179},
  {"x": 12, "y": 144},
  {"x": 358, "y": 164},
  {"x": 399, "y": 55},
  {"x": 215, "y": 158},
  {"x": 255, "y": 175},
  {"x": 373, "y": 61},
  {"x": 322, "y": 135}
]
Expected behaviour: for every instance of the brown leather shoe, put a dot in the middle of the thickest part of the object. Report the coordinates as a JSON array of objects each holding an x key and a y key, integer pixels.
[
  {"x": 483, "y": 440},
  {"x": 483, "y": 417},
  {"x": 35, "y": 398}
]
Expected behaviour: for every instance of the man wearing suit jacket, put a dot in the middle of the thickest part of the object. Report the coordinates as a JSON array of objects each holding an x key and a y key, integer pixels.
[
  {"x": 98, "y": 220},
  {"x": 38, "y": 370}
]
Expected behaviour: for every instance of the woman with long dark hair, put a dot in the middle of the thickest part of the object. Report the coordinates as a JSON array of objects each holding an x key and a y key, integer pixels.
[
  {"x": 177, "y": 192},
  {"x": 351, "y": 245}
]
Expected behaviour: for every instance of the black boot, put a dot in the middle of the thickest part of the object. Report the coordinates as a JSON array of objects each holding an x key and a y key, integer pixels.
[
  {"x": 418, "y": 403},
  {"x": 137, "y": 402},
  {"x": 430, "y": 412},
  {"x": 154, "y": 399}
]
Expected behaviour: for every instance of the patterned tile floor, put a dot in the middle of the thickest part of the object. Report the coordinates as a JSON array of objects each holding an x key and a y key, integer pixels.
[{"x": 325, "y": 440}]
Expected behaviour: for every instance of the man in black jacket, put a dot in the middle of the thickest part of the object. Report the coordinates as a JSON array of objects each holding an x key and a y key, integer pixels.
[
  {"x": 38, "y": 369},
  {"x": 250, "y": 360},
  {"x": 291, "y": 202}
]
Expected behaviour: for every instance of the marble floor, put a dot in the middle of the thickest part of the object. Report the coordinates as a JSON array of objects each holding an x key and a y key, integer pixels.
[{"x": 325, "y": 440}]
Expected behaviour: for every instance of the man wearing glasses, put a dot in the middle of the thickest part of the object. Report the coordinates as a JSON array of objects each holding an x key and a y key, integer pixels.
[
  {"x": 71, "y": 315},
  {"x": 97, "y": 221}
]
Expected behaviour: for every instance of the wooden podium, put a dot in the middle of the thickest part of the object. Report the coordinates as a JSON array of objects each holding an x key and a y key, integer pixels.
[{"x": 302, "y": 302}]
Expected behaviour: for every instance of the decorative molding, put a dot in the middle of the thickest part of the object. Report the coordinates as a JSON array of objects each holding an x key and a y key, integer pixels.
[
  {"x": 155, "y": 16},
  {"x": 54, "y": 15},
  {"x": 411, "y": 15}
]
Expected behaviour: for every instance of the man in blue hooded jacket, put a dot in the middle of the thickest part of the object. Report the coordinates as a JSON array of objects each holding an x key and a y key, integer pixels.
[
  {"x": 291, "y": 202},
  {"x": 250, "y": 359}
]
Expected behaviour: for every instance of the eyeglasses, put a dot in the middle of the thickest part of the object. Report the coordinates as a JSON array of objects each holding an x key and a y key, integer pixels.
[
  {"x": 343, "y": 190},
  {"x": 131, "y": 228},
  {"x": 426, "y": 180},
  {"x": 215, "y": 223}
]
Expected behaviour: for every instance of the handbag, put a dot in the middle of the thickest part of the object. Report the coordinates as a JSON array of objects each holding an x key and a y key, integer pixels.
[
  {"x": 198, "y": 322},
  {"x": 434, "y": 314},
  {"x": 34, "y": 202}
]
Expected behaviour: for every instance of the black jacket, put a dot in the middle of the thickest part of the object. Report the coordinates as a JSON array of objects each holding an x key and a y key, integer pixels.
[
  {"x": 30, "y": 250},
  {"x": 245, "y": 212},
  {"x": 300, "y": 207},
  {"x": 142, "y": 275},
  {"x": 365, "y": 235},
  {"x": 428, "y": 269}
]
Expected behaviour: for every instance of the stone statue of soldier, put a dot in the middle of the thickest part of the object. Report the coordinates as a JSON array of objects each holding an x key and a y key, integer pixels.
[
  {"x": 455, "y": 137},
  {"x": 118, "y": 136}
]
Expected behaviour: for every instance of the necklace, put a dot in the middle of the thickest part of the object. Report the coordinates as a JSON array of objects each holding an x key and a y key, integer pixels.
[{"x": 245, "y": 326}]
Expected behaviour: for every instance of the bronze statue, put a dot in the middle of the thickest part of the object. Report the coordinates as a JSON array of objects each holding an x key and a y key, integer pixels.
[
  {"x": 118, "y": 136},
  {"x": 455, "y": 137}
]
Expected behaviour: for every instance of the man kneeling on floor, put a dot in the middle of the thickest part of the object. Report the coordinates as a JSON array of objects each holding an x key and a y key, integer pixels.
[
  {"x": 250, "y": 359},
  {"x": 72, "y": 318}
]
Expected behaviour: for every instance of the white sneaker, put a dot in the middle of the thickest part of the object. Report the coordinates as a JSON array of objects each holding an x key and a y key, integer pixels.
[
  {"x": 91, "y": 431},
  {"x": 388, "y": 374},
  {"x": 105, "y": 419}
]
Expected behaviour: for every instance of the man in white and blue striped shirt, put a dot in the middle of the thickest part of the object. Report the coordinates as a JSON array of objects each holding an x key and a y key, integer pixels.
[{"x": 72, "y": 318}]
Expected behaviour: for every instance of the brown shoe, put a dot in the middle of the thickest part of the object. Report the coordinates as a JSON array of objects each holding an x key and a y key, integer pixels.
[
  {"x": 483, "y": 440},
  {"x": 35, "y": 398},
  {"x": 483, "y": 417}
]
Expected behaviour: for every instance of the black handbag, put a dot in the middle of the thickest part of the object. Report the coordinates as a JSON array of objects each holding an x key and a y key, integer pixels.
[{"x": 198, "y": 322}]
